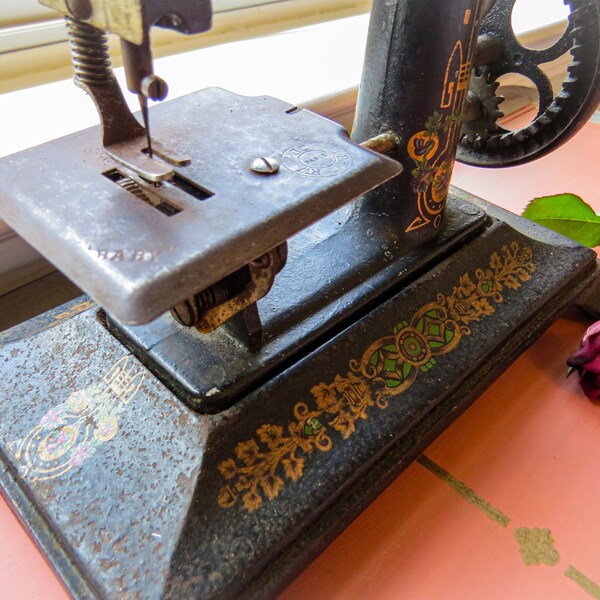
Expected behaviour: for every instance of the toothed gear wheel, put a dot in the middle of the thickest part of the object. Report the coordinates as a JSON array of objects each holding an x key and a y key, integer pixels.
[
  {"x": 559, "y": 117},
  {"x": 485, "y": 102}
]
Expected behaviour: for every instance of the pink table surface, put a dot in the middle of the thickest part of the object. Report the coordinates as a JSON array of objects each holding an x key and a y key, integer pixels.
[{"x": 505, "y": 503}]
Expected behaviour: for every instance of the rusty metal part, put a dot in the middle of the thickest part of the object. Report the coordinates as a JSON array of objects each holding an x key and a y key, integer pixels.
[
  {"x": 236, "y": 294},
  {"x": 254, "y": 328},
  {"x": 121, "y": 134},
  {"x": 93, "y": 74},
  {"x": 482, "y": 112},
  {"x": 215, "y": 305},
  {"x": 131, "y": 19},
  {"x": 138, "y": 262},
  {"x": 320, "y": 291},
  {"x": 383, "y": 143}
]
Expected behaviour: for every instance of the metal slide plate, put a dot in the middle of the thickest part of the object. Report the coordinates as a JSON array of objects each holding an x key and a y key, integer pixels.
[{"x": 137, "y": 257}]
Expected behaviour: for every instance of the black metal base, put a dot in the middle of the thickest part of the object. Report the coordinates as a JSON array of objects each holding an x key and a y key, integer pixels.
[
  {"x": 128, "y": 490},
  {"x": 337, "y": 270}
]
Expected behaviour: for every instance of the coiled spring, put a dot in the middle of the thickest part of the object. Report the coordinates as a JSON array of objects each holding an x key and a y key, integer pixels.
[{"x": 89, "y": 53}]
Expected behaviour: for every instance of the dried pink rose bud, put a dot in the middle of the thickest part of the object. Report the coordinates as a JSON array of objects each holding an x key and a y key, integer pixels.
[{"x": 586, "y": 361}]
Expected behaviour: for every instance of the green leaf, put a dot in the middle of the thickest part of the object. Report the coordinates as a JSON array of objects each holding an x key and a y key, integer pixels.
[{"x": 567, "y": 214}]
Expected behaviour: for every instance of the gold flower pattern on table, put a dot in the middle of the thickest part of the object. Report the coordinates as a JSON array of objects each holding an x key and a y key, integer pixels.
[
  {"x": 386, "y": 368},
  {"x": 537, "y": 546}
]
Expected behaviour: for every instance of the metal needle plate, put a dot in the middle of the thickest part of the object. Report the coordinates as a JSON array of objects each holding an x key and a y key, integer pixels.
[{"x": 139, "y": 249}]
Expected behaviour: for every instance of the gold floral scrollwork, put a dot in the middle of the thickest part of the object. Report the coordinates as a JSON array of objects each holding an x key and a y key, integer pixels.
[{"x": 385, "y": 369}]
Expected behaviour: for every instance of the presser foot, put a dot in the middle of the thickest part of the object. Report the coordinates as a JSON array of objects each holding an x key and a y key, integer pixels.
[{"x": 126, "y": 489}]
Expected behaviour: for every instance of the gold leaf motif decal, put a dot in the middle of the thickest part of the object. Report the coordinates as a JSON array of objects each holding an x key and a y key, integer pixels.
[{"x": 386, "y": 368}]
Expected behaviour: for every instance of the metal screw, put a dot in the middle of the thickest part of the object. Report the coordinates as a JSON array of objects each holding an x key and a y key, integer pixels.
[
  {"x": 154, "y": 87},
  {"x": 80, "y": 9},
  {"x": 265, "y": 165}
]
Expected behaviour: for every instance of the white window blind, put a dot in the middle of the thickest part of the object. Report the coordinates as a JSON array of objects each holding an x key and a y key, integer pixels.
[
  {"x": 23, "y": 12},
  {"x": 26, "y": 12},
  {"x": 26, "y": 23}
]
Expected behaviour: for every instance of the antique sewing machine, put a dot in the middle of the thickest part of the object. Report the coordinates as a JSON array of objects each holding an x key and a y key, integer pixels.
[{"x": 221, "y": 405}]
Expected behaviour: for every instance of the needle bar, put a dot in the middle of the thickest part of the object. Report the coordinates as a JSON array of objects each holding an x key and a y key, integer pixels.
[{"x": 146, "y": 117}]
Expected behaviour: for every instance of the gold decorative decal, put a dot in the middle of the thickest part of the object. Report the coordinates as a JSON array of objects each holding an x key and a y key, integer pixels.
[
  {"x": 433, "y": 149},
  {"x": 25, "y": 330},
  {"x": 537, "y": 546},
  {"x": 73, "y": 311},
  {"x": 464, "y": 491},
  {"x": 68, "y": 434},
  {"x": 386, "y": 368}
]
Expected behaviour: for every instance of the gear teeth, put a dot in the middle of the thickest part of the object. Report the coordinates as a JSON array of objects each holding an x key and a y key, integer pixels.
[
  {"x": 576, "y": 95},
  {"x": 544, "y": 120},
  {"x": 477, "y": 132}
]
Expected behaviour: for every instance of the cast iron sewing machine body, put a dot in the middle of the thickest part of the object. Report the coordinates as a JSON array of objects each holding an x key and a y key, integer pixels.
[{"x": 330, "y": 342}]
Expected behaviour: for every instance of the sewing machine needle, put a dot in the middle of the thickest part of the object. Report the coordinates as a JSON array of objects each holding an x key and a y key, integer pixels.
[{"x": 145, "y": 116}]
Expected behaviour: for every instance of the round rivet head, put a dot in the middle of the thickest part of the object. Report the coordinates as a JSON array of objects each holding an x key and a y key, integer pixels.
[
  {"x": 265, "y": 165},
  {"x": 155, "y": 88}
]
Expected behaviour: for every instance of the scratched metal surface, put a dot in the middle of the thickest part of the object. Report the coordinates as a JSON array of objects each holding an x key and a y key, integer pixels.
[
  {"x": 120, "y": 507},
  {"x": 146, "y": 262}
]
